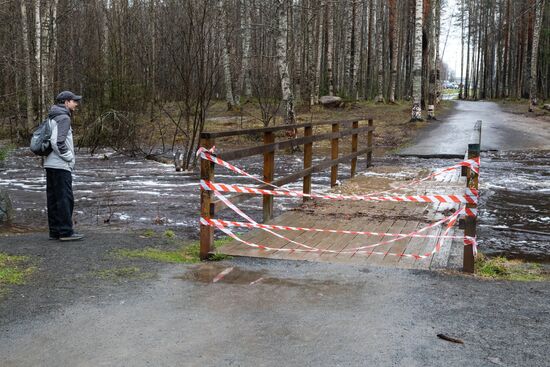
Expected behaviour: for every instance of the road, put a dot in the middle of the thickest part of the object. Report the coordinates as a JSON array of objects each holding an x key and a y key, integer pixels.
[{"x": 500, "y": 131}]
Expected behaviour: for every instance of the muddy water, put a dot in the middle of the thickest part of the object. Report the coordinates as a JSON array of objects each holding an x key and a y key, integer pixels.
[
  {"x": 116, "y": 191},
  {"x": 514, "y": 212}
]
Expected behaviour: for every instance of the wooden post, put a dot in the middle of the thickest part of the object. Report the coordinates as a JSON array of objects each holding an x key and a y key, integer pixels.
[
  {"x": 308, "y": 159},
  {"x": 472, "y": 182},
  {"x": 369, "y": 144},
  {"x": 269, "y": 168},
  {"x": 207, "y": 173},
  {"x": 354, "y": 149},
  {"x": 334, "y": 155}
]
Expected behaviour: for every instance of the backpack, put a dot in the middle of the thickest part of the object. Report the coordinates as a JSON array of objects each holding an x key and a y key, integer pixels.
[{"x": 40, "y": 141}]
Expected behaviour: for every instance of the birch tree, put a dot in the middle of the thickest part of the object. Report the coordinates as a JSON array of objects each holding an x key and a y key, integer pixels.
[
  {"x": 282, "y": 62},
  {"x": 416, "y": 114},
  {"x": 380, "y": 53},
  {"x": 247, "y": 35},
  {"x": 330, "y": 45},
  {"x": 394, "y": 47},
  {"x": 27, "y": 61},
  {"x": 225, "y": 58}
]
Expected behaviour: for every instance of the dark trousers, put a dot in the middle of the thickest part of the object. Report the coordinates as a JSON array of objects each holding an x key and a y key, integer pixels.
[{"x": 59, "y": 192}]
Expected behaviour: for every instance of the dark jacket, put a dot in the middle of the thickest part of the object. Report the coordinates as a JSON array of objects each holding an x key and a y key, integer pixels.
[{"x": 62, "y": 156}]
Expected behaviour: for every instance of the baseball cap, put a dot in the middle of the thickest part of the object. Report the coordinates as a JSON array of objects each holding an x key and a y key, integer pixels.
[{"x": 67, "y": 96}]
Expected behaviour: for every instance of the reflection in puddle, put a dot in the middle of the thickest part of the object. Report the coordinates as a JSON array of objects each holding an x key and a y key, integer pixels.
[{"x": 209, "y": 273}]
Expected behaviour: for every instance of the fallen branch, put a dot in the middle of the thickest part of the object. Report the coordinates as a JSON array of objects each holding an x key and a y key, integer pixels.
[{"x": 449, "y": 339}]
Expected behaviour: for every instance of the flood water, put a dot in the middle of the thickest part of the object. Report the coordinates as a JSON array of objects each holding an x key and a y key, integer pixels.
[{"x": 121, "y": 192}]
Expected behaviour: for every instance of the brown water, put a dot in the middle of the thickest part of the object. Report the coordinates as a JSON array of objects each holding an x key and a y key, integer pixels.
[{"x": 141, "y": 194}]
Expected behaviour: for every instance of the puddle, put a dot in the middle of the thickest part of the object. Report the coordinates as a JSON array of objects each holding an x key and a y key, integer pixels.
[{"x": 210, "y": 273}]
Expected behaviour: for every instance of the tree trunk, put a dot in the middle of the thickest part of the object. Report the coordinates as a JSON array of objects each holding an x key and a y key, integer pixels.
[
  {"x": 539, "y": 7},
  {"x": 394, "y": 47},
  {"x": 461, "y": 87},
  {"x": 416, "y": 114},
  {"x": 49, "y": 57},
  {"x": 28, "y": 72},
  {"x": 432, "y": 61},
  {"x": 282, "y": 63},
  {"x": 320, "y": 33},
  {"x": 505, "y": 67},
  {"x": 467, "y": 77},
  {"x": 38, "y": 51},
  {"x": 225, "y": 58},
  {"x": 330, "y": 42},
  {"x": 348, "y": 31},
  {"x": 247, "y": 35},
  {"x": 380, "y": 53},
  {"x": 356, "y": 47}
]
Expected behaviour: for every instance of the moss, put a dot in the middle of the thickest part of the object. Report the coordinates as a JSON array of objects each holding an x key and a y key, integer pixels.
[
  {"x": 502, "y": 268},
  {"x": 148, "y": 233},
  {"x": 169, "y": 234},
  {"x": 186, "y": 254},
  {"x": 14, "y": 269}
]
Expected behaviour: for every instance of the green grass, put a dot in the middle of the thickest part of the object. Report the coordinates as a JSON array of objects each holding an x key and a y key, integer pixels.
[
  {"x": 14, "y": 269},
  {"x": 502, "y": 268},
  {"x": 148, "y": 233},
  {"x": 185, "y": 254},
  {"x": 169, "y": 234},
  {"x": 5, "y": 151}
]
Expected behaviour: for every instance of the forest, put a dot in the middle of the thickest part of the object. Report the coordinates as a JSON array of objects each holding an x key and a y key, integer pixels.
[{"x": 142, "y": 64}]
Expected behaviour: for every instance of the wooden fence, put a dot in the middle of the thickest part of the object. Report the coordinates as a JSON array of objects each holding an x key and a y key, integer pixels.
[{"x": 339, "y": 130}]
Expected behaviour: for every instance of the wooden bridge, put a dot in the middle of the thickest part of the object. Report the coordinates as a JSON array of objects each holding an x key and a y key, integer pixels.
[{"x": 347, "y": 220}]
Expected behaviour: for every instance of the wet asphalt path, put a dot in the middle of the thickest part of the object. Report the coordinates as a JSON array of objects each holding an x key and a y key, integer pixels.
[
  {"x": 279, "y": 313},
  {"x": 500, "y": 131}
]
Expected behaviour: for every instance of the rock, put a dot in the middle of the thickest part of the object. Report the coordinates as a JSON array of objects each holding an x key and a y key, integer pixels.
[
  {"x": 546, "y": 107},
  {"x": 5, "y": 208},
  {"x": 331, "y": 101}
]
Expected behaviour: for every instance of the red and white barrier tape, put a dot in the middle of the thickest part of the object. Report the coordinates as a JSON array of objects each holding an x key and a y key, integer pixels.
[
  {"x": 209, "y": 155},
  {"x": 217, "y": 223},
  {"x": 230, "y": 224},
  {"x": 471, "y": 241},
  {"x": 469, "y": 197},
  {"x": 361, "y": 250}
]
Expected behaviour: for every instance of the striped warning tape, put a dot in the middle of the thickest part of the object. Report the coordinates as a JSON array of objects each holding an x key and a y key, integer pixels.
[
  {"x": 362, "y": 250},
  {"x": 236, "y": 224},
  {"x": 469, "y": 197},
  {"x": 209, "y": 155},
  {"x": 217, "y": 223}
]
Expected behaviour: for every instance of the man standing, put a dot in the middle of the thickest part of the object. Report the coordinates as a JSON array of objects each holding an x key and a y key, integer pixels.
[{"x": 59, "y": 165}]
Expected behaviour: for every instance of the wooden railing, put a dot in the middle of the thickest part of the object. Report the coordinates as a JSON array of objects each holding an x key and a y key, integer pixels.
[
  {"x": 208, "y": 139},
  {"x": 472, "y": 181}
]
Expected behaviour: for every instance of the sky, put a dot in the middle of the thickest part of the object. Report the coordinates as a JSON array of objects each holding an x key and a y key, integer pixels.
[{"x": 450, "y": 34}]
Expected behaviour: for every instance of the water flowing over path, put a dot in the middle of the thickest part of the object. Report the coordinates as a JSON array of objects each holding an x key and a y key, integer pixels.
[{"x": 515, "y": 174}]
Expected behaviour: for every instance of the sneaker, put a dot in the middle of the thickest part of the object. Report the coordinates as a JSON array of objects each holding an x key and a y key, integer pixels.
[{"x": 73, "y": 237}]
